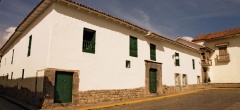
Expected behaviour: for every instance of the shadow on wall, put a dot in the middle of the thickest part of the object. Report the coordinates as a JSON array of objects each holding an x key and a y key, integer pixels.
[{"x": 22, "y": 93}]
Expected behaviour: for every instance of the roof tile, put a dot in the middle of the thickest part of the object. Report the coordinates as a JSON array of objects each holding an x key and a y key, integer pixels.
[{"x": 219, "y": 34}]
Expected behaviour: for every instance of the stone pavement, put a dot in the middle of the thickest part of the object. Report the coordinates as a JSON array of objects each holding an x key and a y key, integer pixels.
[{"x": 21, "y": 105}]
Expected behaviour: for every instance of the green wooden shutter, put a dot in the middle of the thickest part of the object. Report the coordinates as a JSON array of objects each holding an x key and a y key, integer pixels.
[
  {"x": 12, "y": 56},
  {"x": 89, "y": 37},
  {"x": 177, "y": 61},
  {"x": 153, "y": 52},
  {"x": 193, "y": 63},
  {"x": 29, "y": 45},
  {"x": 133, "y": 47}
]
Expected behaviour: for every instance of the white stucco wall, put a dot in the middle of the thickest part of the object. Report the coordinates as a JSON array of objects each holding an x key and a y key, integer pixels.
[
  {"x": 225, "y": 72},
  {"x": 106, "y": 68},
  {"x": 40, "y": 30}
]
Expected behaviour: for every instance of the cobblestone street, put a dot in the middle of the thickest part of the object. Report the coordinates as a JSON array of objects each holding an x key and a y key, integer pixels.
[{"x": 225, "y": 99}]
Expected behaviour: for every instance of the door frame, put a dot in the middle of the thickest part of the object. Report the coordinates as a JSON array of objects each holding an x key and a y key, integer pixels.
[
  {"x": 49, "y": 87},
  {"x": 153, "y": 65}
]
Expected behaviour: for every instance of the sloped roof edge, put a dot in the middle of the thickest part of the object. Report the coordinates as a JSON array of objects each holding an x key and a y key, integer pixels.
[{"x": 45, "y": 3}]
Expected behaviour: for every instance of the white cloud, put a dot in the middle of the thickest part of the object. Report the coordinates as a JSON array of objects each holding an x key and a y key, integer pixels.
[
  {"x": 5, "y": 35},
  {"x": 187, "y": 38}
]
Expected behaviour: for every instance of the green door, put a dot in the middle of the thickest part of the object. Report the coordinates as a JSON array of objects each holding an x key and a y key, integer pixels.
[
  {"x": 153, "y": 81},
  {"x": 63, "y": 87}
]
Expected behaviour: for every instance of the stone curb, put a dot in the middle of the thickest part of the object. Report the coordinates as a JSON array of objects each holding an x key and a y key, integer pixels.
[
  {"x": 21, "y": 104},
  {"x": 152, "y": 98}
]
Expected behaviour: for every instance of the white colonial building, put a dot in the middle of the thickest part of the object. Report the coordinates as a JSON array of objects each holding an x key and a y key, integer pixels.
[
  {"x": 222, "y": 64},
  {"x": 65, "y": 52}
]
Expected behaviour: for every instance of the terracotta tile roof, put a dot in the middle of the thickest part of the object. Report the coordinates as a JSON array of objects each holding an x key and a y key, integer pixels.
[{"x": 216, "y": 35}]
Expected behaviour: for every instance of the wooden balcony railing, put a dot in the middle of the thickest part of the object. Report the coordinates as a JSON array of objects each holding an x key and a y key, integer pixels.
[
  {"x": 88, "y": 46},
  {"x": 223, "y": 58},
  {"x": 206, "y": 62}
]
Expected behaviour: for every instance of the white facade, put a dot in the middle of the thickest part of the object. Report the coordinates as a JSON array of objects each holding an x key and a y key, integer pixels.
[
  {"x": 224, "y": 72},
  {"x": 57, "y": 36}
]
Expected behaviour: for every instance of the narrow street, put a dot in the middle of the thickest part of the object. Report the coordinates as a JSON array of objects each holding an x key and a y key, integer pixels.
[
  {"x": 7, "y": 105},
  {"x": 228, "y": 99}
]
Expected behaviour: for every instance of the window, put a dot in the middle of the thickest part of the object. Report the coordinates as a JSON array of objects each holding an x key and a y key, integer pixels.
[
  {"x": 177, "y": 79},
  {"x": 184, "y": 79},
  {"x": 0, "y": 61},
  {"x": 22, "y": 73},
  {"x": 89, "y": 37},
  {"x": 128, "y": 64},
  {"x": 193, "y": 63},
  {"x": 12, "y": 56},
  {"x": 11, "y": 75},
  {"x": 133, "y": 47},
  {"x": 152, "y": 52},
  {"x": 222, "y": 50},
  {"x": 177, "y": 59},
  {"x": 29, "y": 46},
  {"x": 198, "y": 80}
]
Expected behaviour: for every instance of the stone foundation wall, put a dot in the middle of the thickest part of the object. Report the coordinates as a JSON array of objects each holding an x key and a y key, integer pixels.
[
  {"x": 98, "y": 96},
  {"x": 174, "y": 89}
]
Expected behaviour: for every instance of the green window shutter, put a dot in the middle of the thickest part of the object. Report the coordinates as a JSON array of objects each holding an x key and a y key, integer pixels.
[
  {"x": 89, "y": 37},
  {"x": 29, "y": 45},
  {"x": 153, "y": 52},
  {"x": 177, "y": 61},
  {"x": 193, "y": 63},
  {"x": 12, "y": 56},
  {"x": 133, "y": 47}
]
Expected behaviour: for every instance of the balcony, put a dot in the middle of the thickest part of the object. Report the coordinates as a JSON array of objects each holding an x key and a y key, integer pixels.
[
  {"x": 88, "y": 46},
  {"x": 223, "y": 58},
  {"x": 206, "y": 62}
]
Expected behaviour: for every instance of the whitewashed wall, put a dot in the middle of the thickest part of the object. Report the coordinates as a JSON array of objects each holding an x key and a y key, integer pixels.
[
  {"x": 40, "y": 30},
  {"x": 225, "y": 72},
  {"x": 106, "y": 68},
  {"x": 57, "y": 43}
]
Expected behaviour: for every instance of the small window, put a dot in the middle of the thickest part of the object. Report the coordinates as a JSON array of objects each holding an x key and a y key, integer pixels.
[
  {"x": 22, "y": 73},
  {"x": 193, "y": 63},
  {"x": 133, "y": 47},
  {"x": 198, "y": 80},
  {"x": 177, "y": 59},
  {"x": 12, "y": 56},
  {"x": 153, "y": 52},
  {"x": 222, "y": 51},
  {"x": 128, "y": 64},
  {"x": 177, "y": 79},
  {"x": 89, "y": 37},
  {"x": 184, "y": 79},
  {"x": 29, "y": 46}
]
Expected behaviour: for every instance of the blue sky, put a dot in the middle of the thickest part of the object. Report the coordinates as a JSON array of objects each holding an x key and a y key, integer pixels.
[{"x": 170, "y": 18}]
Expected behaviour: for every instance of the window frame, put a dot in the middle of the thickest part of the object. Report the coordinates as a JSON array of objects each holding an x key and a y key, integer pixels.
[
  {"x": 133, "y": 46},
  {"x": 184, "y": 79},
  {"x": 152, "y": 52},
  {"x": 177, "y": 61},
  {"x": 177, "y": 79},
  {"x": 29, "y": 46},
  {"x": 89, "y": 44},
  {"x": 193, "y": 64}
]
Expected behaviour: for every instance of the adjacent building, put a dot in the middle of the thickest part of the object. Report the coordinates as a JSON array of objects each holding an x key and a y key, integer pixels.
[{"x": 222, "y": 64}]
